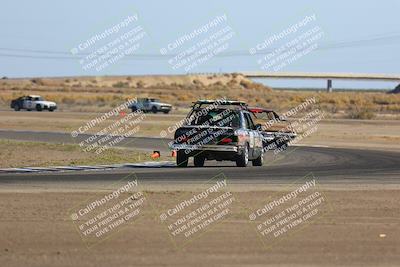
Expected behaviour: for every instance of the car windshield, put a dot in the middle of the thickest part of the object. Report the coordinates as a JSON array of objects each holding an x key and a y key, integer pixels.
[
  {"x": 217, "y": 117},
  {"x": 37, "y": 98},
  {"x": 154, "y": 100}
]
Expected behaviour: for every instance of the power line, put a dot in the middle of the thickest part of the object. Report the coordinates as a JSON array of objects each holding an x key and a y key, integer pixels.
[{"x": 52, "y": 54}]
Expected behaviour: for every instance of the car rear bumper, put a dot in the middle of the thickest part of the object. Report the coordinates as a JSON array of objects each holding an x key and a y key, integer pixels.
[
  {"x": 221, "y": 148},
  {"x": 49, "y": 107}
]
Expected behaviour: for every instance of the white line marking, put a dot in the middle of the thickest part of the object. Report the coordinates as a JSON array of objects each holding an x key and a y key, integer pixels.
[
  {"x": 149, "y": 164},
  {"x": 322, "y": 146}
]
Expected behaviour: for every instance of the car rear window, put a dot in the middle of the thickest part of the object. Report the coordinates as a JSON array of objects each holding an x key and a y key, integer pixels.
[{"x": 220, "y": 118}]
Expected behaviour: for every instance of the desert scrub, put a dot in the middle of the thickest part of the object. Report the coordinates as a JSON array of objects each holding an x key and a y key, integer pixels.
[
  {"x": 120, "y": 85},
  {"x": 81, "y": 95},
  {"x": 361, "y": 114}
]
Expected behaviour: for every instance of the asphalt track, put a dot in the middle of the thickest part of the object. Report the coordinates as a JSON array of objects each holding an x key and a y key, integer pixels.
[{"x": 329, "y": 165}]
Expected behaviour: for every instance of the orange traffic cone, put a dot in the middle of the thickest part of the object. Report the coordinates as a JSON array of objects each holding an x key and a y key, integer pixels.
[
  {"x": 173, "y": 154},
  {"x": 155, "y": 155}
]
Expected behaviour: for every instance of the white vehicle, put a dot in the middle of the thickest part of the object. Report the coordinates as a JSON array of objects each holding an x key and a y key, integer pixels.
[
  {"x": 32, "y": 102},
  {"x": 150, "y": 105}
]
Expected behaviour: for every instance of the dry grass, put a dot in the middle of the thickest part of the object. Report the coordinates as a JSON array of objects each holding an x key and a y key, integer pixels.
[
  {"x": 14, "y": 154},
  {"x": 102, "y": 93}
]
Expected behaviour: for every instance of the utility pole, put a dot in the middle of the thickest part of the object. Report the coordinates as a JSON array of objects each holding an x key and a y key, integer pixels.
[{"x": 329, "y": 86}]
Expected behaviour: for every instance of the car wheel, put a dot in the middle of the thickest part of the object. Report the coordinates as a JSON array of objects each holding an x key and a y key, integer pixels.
[
  {"x": 17, "y": 108},
  {"x": 134, "y": 109},
  {"x": 38, "y": 107},
  {"x": 260, "y": 160},
  {"x": 166, "y": 111},
  {"x": 181, "y": 159},
  {"x": 51, "y": 109},
  {"x": 243, "y": 159},
  {"x": 199, "y": 160},
  {"x": 154, "y": 109}
]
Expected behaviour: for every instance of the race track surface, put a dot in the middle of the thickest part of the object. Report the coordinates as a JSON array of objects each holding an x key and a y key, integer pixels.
[{"x": 329, "y": 165}]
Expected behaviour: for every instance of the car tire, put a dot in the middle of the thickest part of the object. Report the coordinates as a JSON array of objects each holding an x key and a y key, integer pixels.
[
  {"x": 38, "y": 108},
  {"x": 181, "y": 159},
  {"x": 134, "y": 109},
  {"x": 154, "y": 109},
  {"x": 17, "y": 108},
  {"x": 260, "y": 160},
  {"x": 243, "y": 158},
  {"x": 199, "y": 160},
  {"x": 166, "y": 111}
]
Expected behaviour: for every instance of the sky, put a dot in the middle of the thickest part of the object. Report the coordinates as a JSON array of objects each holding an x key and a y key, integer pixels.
[{"x": 37, "y": 37}]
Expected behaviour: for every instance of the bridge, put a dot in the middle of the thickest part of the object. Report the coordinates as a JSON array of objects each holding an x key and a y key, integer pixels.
[{"x": 326, "y": 76}]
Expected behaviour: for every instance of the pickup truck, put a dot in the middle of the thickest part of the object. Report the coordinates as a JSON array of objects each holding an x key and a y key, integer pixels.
[
  {"x": 32, "y": 102},
  {"x": 150, "y": 105},
  {"x": 218, "y": 130}
]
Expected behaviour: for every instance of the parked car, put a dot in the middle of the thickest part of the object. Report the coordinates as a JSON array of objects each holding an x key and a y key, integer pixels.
[
  {"x": 32, "y": 102},
  {"x": 150, "y": 105},
  {"x": 219, "y": 130}
]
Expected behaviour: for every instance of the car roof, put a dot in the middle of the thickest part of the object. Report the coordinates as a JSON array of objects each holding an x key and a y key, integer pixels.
[
  {"x": 223, "y": 108},
  {"x": 34, "y": 95},
  {"x": 234, "y": 104},
  {"x": 220, "y": 102}
]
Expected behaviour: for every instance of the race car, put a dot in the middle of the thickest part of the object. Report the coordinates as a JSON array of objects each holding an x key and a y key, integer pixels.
[
  {"x": 32, "y": 102},
  {"x": 150, "y": 105},
  {"x": 218, "y": 130}
]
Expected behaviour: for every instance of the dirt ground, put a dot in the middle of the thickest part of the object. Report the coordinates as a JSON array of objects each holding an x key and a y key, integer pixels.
[{"x": 37, "y": 230}]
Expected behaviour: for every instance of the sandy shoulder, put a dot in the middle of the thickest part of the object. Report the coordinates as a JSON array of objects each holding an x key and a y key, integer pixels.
[{"x": 361, "y": 229}]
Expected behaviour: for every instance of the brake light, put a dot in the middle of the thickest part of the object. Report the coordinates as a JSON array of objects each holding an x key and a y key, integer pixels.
[
  {"x": 226, "y": 140},
  {"x": 256, "y": 110}
]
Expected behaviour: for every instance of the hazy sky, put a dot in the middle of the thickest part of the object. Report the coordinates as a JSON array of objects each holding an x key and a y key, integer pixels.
[{"x": 36, "y": 37}]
